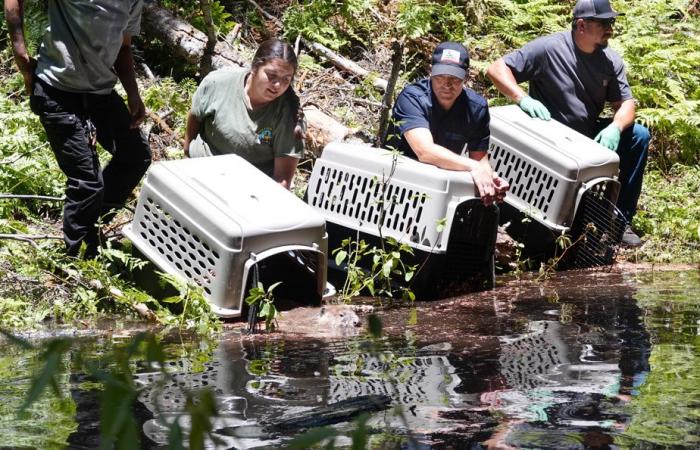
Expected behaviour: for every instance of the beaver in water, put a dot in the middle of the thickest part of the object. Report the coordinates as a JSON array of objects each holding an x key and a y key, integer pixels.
[{"x": 328, "y": 319}]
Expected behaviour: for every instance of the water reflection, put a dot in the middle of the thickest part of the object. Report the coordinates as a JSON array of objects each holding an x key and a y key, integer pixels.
[{"x": 585, "y": 360}]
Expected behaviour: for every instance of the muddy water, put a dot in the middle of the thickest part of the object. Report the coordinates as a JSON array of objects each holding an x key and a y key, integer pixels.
[{"x": 584, "y": 360}]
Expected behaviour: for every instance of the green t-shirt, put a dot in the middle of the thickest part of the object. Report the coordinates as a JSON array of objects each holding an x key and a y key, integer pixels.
[{"x": 229, "y": 126}]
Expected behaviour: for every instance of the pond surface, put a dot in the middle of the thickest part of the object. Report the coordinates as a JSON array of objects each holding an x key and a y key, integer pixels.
[{"x": 583, "y": 360}]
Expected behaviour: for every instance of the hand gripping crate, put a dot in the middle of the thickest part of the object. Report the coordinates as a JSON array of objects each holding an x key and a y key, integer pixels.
[
  {"x": 564, "y": 181},
  {"x": 210, "y": 221},
  {"x": 346, "y": 187}
]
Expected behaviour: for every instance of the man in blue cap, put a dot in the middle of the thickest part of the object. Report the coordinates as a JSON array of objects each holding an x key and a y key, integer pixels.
[
  {"x": 572, "y": 74},
  {"x": 436, "y": 118}
]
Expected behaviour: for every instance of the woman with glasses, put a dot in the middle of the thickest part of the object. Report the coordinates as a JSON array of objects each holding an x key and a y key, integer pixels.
[{"x": 252, "y": 113}]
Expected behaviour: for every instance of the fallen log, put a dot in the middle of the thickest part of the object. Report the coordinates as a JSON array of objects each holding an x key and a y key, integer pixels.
[{"x": 185, "y": 40}]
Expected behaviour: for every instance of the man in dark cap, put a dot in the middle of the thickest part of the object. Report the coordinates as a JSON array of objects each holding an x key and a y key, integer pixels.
[
  {"x": 572, "y": 75},
  {"x": 436, "y": 118}
]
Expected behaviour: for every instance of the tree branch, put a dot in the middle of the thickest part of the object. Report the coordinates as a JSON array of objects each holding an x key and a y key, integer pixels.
[
  {"x": 32, "y": 197},
  {"x": 387, "y": 101},
  {"x": 335, "y": 59}
]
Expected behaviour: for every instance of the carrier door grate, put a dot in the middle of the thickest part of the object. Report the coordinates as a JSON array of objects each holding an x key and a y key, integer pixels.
[
  {"x": 471, "y": 244},
  {"x": 599, "y": 225}
]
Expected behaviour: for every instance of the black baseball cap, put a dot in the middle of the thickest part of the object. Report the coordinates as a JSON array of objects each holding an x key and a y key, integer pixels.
[
  {"x": 594, "y": 9},
  {"x": 450, "y": 58}
]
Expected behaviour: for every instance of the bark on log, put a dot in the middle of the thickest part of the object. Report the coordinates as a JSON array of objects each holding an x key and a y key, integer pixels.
[{"x": 187, "y": 41}]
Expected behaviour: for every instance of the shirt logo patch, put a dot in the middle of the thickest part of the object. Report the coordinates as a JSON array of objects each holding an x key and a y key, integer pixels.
[
  {"x": 449, "y": 56},
  {"x": 264, "y": 136}
]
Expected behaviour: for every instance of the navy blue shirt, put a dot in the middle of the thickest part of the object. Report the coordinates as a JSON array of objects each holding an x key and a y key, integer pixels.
[{"x": 467, "y": 122}]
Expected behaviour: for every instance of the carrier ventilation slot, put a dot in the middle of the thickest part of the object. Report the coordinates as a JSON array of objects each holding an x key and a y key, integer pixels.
[
  {"x": 528, "y": 182},
  {"x": 188, "y": 252},
  {"x": 359, "y": 197}
]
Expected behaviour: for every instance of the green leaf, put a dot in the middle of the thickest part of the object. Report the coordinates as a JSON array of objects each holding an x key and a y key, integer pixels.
[
  {"x": 47, "y": 377},
  {"x": 312, "y": 437},
  {"x": 175, "y": 436},
  {"x": 340, "y": 257},
  {"x": 374, "y": 325},
  {"x": 273, "y": 286},
  {"x": 173, "y": 299}
]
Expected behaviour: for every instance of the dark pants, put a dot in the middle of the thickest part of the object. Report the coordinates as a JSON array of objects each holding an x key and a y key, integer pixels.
[
  {"x": 91, "y": 192},
  {"x": 633, "y": 151}
]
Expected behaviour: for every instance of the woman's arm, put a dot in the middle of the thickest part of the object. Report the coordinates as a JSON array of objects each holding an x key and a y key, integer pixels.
[
  {"x": 284, "y": 170},
  {"x": 191, "y": 131}
]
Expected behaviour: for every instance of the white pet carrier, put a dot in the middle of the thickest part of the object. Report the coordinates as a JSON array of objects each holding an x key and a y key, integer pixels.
[
  {"x": 359, "y": 188},
  {"x": 559, "y": 178},
  {"x": 211, "y": 220}
]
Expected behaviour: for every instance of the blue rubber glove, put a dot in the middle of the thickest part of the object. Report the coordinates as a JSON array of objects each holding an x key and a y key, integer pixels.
[
  {"x": 534, "y": 108},
  {"x": 609, "y": 137}
]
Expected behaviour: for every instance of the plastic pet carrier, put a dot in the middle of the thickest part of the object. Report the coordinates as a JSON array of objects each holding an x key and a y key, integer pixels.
[
  {"x": 360, "y": 189},
  {"x": 560, "y": 182},
  {"x": 219, "y": 222}
]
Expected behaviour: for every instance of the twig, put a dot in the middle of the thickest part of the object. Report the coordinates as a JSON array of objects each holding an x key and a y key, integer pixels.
[
  {"x": 387, "y": 101},
  {"x": 32, "y": 197},
  {"x": 265, "y": 13},
  {"x": 337, "y": 60},
  {"x": 206, "y": 66},
  {"x": 29, "y": 238},
  {"x": 164, "y": 126}
]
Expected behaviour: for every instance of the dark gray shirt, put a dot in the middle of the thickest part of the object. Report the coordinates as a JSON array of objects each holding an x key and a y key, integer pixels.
[
  {"x": 82, "y": 42},
  {"x": 573, "y": 85}
]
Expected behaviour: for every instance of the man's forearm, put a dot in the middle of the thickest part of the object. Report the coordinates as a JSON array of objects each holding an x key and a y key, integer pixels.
[
  {"x": 502, "y": 77},
  {"x": 624, "y": 114},
  {"x": 14, "y": 16},
  {"x": 124, "y": 67}
]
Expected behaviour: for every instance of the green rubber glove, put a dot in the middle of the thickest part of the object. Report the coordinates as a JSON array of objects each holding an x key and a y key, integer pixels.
[
  {"x": 534, "y": 108},
  {"x": 609, "y": 137}
]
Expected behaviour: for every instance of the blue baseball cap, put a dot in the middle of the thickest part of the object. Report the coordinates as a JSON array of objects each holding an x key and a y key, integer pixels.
[
  {"x": 450, "y": 58},
  {"x": 594, "y": 9}
]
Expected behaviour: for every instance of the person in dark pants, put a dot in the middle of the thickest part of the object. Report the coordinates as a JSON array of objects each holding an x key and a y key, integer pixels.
[
  {"x": 572, "y": 74},
  {"x": 86, "y": 48}
]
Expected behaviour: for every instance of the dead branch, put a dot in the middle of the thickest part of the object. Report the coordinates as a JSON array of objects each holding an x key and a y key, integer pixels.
[
  {"x": 335, "y": 59},
  {"x": 29, "y": 238},
  {"x": 387, "y": 101},
  {"x": 164, "y": 126},
  {"x": 32, "y": 197}
]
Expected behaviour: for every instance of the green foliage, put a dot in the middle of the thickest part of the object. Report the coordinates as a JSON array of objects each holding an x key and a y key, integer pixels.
[
  {"x": 418, "y": 18},
  {"x": 386, "y": 266},
  {"x": 669, "y": 215},
  {"x": 192, "y": 12},
  {"x": 115, "y": 378},
  {"x": 662, "y": 53},
  {"x": 332, "y": 23},
  {"x": 171, "y": 97},
  {"x": 196, "y": 311},
  {"x": 263, "y": 299}
]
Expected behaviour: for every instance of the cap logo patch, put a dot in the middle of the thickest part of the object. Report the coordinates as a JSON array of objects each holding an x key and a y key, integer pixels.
[{"x": 449, "y": 56}]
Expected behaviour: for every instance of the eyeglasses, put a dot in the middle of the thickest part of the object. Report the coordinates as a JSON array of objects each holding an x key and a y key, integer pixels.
[{"x": 603, "y": 22}]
